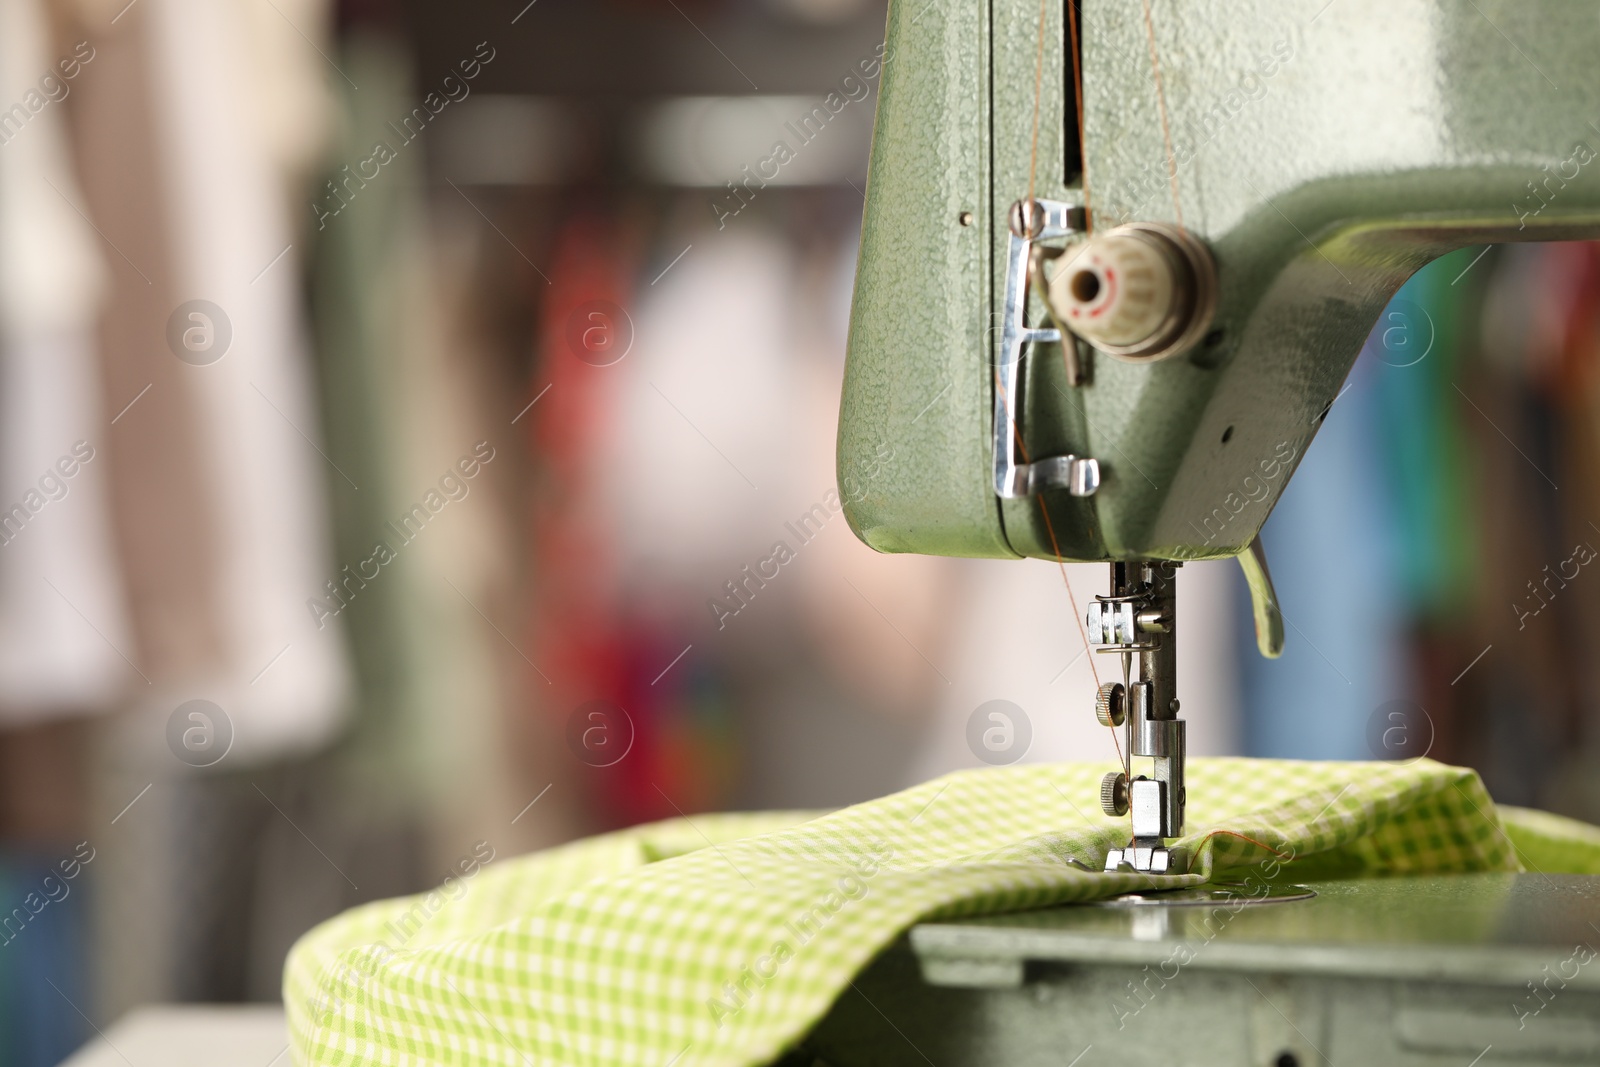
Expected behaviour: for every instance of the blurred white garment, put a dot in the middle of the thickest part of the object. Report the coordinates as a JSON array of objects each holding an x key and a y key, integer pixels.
[
  {"x": 284, "y": 681},
  {"x": 704, "y": 415},
  {"x": 726, "y": 416},
  {"x": 62, "y": 620}
]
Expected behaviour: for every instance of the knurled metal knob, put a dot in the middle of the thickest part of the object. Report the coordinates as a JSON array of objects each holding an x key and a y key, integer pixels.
[
  {"x": 1114, "y": 793},
  {"x": 1111, "y": 704}
]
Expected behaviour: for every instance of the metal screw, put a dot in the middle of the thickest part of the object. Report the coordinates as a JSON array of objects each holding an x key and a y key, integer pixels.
[
  {"x": 1026, "y": 219},
  {"x": 1114, "y": 793},
  {"x": 1111, "y": 704}
]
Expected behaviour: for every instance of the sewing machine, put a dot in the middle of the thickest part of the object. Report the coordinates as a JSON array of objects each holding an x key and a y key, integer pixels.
[
  {"x": 1093, "y": 375},
  {"x": 1116, "y": 346}
]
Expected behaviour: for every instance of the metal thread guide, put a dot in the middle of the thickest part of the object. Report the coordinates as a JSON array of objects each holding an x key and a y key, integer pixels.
[{"x": 1014, "y": 476}]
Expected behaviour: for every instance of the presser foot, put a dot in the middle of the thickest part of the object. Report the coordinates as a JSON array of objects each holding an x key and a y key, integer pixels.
[{"x": 1146, "y": 858}]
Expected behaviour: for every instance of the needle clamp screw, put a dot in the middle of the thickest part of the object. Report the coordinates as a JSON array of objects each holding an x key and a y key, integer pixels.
[
  {"x": 1114, "y": 794},
  {"x": 1111, "y": 704}
]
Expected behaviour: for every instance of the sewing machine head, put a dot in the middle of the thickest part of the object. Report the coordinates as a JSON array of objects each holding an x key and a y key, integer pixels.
[{"x": 1117, "y": 346}]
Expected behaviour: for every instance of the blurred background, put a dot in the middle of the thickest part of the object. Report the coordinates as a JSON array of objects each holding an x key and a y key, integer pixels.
[{"x": 398, "y": 403}]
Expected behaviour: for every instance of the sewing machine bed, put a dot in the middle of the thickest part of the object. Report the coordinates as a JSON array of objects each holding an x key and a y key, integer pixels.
[{"x": 1440, "y": 970}]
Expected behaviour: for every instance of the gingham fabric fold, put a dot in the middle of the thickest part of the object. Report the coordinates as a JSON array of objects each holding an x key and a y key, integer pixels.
[{"x": 720, "y": 940}]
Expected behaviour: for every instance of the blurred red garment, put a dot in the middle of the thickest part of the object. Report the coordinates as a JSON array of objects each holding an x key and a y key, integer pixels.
[{"x": 636, "y": 708}]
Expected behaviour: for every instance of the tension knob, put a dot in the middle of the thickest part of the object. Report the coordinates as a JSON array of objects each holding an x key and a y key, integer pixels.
[
  {"x": 1114, "y": 288},
  {"x": 1141, "y": 292}
]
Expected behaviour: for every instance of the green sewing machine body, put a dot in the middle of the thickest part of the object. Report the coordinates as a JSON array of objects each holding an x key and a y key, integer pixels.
[
  {"x": 1317, "y": 153},
  {"x": 1324, "y": 152}
]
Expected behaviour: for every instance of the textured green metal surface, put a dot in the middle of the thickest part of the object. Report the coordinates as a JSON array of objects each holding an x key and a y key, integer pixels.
[
  {"x": 923, "y": 296},
  {"x": 1326, "y": 152},
  {"x": 1420, "y": 972}
]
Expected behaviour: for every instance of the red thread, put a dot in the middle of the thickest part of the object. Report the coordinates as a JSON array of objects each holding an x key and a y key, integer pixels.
[{"x": 1253, "y": 841}]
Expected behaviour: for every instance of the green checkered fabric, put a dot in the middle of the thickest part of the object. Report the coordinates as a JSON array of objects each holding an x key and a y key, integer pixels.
[{"x": 721, "y": 940}]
